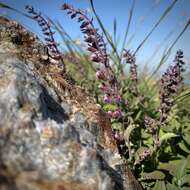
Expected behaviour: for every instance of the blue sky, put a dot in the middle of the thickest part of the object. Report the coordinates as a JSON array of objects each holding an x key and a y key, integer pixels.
[{"x": 146, "y": 13}]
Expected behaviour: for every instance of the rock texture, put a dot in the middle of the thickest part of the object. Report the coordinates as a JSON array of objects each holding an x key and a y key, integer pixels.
[{"x": 52, "y": 134}]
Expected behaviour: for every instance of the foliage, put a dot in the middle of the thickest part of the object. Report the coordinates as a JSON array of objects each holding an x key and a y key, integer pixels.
[{"x": 150, "y": 120}]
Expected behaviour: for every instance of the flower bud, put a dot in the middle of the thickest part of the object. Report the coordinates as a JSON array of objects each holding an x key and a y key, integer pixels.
[
  {"x": 100, "y": 75},
  {"x": 110, "y": 113},
  {"x": 118, "y": 136},
  {"x": 126, "y": 103},
  {"x": 117, "y": 113},
  {"x": 107, "y": 99},
  {"x": 95, "y": 58},
  {"x": 118, "y": 99},
  {"x": 66, "y": 6}
]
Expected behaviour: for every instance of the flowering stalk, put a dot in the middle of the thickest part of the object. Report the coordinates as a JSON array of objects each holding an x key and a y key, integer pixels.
[
  {"x": 169, "y": 84},
  {"x": 51, "y": 45},
  {"x": 95, "y": 44},
  {"x": 131, "y": 59}
]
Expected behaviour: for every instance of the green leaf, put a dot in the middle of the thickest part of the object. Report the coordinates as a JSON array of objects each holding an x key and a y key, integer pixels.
[
  {"x": 170, "y": 186},
  {"x": 160, "y": 185},
  {"x": 115, "y": 30},
  {"x": 184, "y": 94},
  {"x": 2, "y": 5},
  {"x": 170, "y": 167},
  {"x": 185, "y": 188},
  {"x": 175, "y": 124},
  {"x": 185, "y": 180},
  {"x": 156, "y": 175},
  {"x": 167, "y": 136},
  {"x": 116, "y": 125},
  {"x": 181, "y": 169},
  {"x": 186, "y": 137},
  {"x": 109, "y": 107},
  {"x": 183, "y": 147}
]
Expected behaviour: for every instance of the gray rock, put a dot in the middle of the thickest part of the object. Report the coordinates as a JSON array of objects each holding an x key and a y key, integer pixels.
[{"x": 37, "y": 135}]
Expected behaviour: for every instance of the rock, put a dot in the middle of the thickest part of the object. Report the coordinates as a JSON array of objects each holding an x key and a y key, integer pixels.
[{"x": 48, "y": 141}]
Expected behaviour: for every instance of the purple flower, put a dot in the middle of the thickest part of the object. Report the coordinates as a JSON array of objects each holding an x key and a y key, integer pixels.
[
  {"x": 105, "y": 88},
  {"x": 110, "y": 113},
  {"x": 107, "y": 98},
  {"x": 118, "y": 136},
  {"x": 126, "y": 103},
  {"x": 146, "y": 153},
  {"x": 100, "y": 74},
  {"x": 118, "y": 99},
  {"x": 117, "y": 113},
  {"x": 95, "y": 58}
]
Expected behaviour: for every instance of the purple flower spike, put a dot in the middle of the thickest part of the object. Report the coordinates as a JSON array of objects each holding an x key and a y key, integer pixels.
[
  {"x": 109, "y": 86},
  {"x": 130, "y": 59},
  {"x": 169, "y": 84},
  {"x": 51, "y": 45}
]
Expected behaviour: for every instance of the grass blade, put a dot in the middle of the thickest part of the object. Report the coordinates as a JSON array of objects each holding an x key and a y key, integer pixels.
[
  {"x": 141, "y": 22},
  {"x": 115, "y": 31},
  {"x": 4, "y": 6},
  {"x": 107, "y": 35},
  {"x": 156, "y": 25},
  {"x": 158, "y": 48},
  {"x": 164, "y": 58},
  {"x": 128, "y": 26}
]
